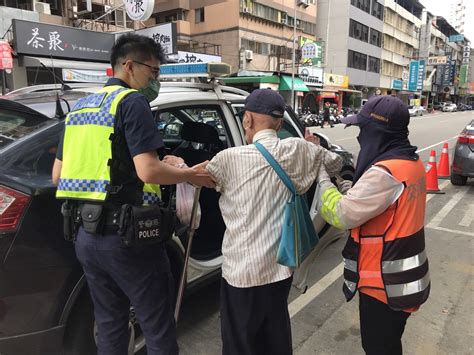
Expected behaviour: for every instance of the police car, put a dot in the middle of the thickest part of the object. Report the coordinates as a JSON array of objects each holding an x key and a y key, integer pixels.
[{"x": 44, "y": 303}]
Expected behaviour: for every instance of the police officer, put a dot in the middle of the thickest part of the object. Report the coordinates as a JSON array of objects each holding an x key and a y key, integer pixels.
[
  {"x": 384, "y": 257},
  {"x": 108, "y": 158}
]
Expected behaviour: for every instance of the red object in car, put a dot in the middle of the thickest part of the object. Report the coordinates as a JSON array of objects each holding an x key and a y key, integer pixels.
[{"x": 12, "y": 206}]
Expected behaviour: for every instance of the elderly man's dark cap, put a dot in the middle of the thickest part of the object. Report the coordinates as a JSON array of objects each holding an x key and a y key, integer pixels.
[{"x": 267, "y": 102}]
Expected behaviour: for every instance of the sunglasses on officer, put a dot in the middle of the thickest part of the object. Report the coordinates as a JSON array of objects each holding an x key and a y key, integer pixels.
[{"x": 155, "y": 71}]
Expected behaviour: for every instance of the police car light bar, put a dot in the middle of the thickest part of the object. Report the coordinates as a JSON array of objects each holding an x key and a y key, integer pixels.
[{"x": 194, "y": 70}]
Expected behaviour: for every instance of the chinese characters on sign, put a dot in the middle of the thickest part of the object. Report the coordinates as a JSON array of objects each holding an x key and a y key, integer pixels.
[
  {"x": 139, "y": 10},
  {"x": 164, "y": 34},
  {"x": 38, "y": 39},
  {"x": 437, "y": 60},
  {"x": 421, "y": 74},
  {"x": 311, "y": 52},
  {"x": 54, "y": 42},
  {"x": 190, "y": 57}
]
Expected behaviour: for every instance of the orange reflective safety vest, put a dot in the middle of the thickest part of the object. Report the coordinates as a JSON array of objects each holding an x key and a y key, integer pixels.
[{"x": 385, "y": 258}]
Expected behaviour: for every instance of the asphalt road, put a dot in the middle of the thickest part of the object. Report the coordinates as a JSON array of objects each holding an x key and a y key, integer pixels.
[{"x": 326, "y": 324}]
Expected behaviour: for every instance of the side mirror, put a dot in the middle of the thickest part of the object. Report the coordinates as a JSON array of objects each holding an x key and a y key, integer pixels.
[{"x": 323, "y": 141}]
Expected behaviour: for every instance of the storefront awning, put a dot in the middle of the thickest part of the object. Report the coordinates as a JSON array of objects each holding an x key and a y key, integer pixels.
[
  {"x": 62, "y": 63},
  {"x": 351, "y": 90},
  {"x": 298, "y": 84}
]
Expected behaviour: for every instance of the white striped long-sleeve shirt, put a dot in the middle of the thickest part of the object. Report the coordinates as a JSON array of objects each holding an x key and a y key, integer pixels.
[{"x": 253, "y": 199}]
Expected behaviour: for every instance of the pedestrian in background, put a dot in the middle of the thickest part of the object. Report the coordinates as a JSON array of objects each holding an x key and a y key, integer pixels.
[
  {"x": 384, "y": 257},
  {"x": 327, "y": 115},
  {"x": 254, "y": 289},
  {"x": 107, "y": 159}
]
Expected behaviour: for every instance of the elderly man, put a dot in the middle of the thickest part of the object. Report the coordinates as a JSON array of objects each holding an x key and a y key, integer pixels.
[{"x": 254, "y": 291}]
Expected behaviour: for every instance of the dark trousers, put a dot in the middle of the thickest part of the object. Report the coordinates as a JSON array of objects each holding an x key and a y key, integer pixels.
[
  {"x": 381, "y": 327},
  {"x": 118, "y": 276},
  {"x": 255, "y": 320}
]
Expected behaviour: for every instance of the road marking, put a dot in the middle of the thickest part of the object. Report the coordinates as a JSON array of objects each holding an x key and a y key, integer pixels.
[
  {"x": 468, "y": 217},
  {"x": 440, "y": 186},
  {"x": 434, "y": 145},
  {"x": 438, "y": 218},
  {"x": 454, "y": 231},
  {"x": 314, "y": 291}
]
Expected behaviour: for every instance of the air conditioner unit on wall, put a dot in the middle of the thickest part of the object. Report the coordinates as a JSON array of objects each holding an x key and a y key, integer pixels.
[
  {"x": 246, "y": 10},
  {"x": 42, "y": 7},
  {"x": 248, "y": 55},
  {"x": 304, "y": 3}
]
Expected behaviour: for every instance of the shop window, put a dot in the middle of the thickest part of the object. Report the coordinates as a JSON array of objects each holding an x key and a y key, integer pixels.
[
  {"x": 199, "y": 15},
  {"x": 18, "y": 4}
]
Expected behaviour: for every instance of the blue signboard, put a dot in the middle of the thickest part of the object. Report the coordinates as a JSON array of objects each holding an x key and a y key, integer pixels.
[
  {"x": 413, "y": 77},
  {"x": 397, "y": 84},
  {"x": 421, "y": 74},
  {"x": 456, "y": 38}
]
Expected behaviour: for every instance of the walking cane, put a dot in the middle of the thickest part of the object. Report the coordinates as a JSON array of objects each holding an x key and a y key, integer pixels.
[{"x": 191, "y": 230}]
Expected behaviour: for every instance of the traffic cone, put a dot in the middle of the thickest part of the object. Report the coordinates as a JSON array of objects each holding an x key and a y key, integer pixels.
[
  {"x": 443, "y": 166},
  {"x": 432, "y": 176}
]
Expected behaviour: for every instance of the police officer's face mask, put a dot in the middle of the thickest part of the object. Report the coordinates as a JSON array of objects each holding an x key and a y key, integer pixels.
[{"x": 151, "y": 90}]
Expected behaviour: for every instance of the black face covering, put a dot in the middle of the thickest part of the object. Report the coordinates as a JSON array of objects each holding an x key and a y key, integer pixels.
[{"x": 379, "y": 142}]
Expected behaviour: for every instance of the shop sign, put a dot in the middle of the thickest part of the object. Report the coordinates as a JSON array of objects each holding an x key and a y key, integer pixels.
[
  {"x": 421, "y": 74},
  {"x": 85, "y": 76},
  {"x": 437, "y": 60},
  {"x": 6, "y": 59},
  {"x": 311, "y": 75},
  {"x": 44, "y": 40},
  {"x": 413, "y": 76},
  {"x": 456, "y": 38},
  {"x": 336, "y": 81},
  {"x": 191, "y": 57},
  {"x": 164, "y": 34},
  {"x": 139, "y": 10},
  {"x": 470, "y": 87},
  {"x": 397, "y": 84},
  {"x": 463, "y": 74},
  {"x": 311, "y": 51}
]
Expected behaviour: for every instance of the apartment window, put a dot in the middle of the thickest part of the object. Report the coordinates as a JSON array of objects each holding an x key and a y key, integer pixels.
[
  {"x": 364, "y": 5},
  {"x": 199, "y": 15},
  {"x": 358, "y": 31},
  {"x": 357, "y": 60},
  {"x": 377, "y": 10},
  {"x": 374, "y": 64},
  {"x": 375, "y": 37}
]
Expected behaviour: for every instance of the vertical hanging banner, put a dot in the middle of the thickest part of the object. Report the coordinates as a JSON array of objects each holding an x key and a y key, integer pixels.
[
  {"x": 463, "y": 75},
  {"x": 413, "y": 76},
  {"x": 6, "y": 59},
  {"x": 421, "y": 75}
]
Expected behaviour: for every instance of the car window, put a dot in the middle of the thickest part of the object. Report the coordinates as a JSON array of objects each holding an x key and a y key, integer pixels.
[
  {"x": 15, "y": 125},
  {"x": 171, "y": 121},
  {"x": 287, "y": 131}
]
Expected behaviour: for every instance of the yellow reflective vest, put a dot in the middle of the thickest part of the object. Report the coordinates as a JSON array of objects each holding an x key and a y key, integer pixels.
[{"x": 87, "y": 148}]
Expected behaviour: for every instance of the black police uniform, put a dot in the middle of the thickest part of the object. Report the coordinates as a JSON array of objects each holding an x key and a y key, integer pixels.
[{"x": 118, "y": 275}]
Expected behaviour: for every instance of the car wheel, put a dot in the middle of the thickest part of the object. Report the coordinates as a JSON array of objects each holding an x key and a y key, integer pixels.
[{"x": 458, "y": 180}]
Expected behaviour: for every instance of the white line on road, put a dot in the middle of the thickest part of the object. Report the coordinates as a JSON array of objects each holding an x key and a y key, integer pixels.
[
  {"x": 314, "y": 291},
  {"x": 434, "y": 145},
  {"x": 468, "y": 217},
  {"x": 454, "y": 231},
  {"x": 438, "y": 218}
]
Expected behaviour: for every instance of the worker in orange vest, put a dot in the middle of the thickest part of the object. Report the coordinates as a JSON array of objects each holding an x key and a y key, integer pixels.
[{"x": 384, "y": 257}]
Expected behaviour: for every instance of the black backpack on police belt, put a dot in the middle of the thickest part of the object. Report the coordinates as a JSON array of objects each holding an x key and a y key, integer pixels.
[{"x": 137, "y": 225}]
